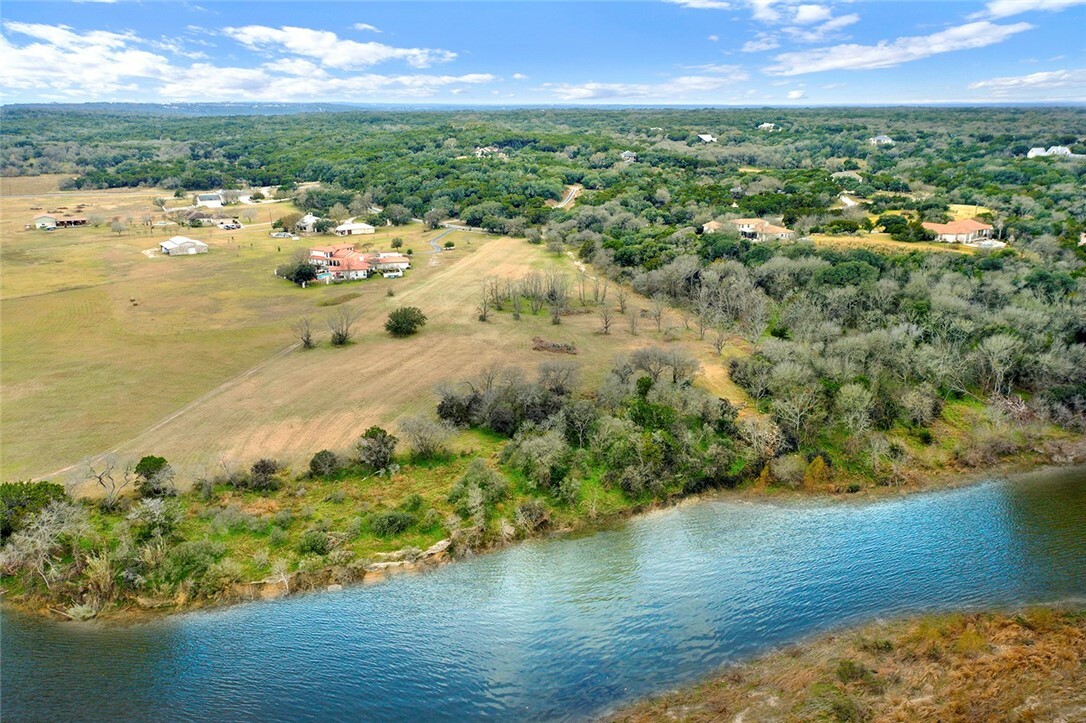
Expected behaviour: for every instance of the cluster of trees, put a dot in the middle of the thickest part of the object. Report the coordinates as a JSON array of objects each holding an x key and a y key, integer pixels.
[{"x": 645, "y": 430}]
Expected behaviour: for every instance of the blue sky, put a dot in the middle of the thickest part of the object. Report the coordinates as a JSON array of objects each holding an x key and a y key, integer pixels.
[{"x": 712, "y": 52}]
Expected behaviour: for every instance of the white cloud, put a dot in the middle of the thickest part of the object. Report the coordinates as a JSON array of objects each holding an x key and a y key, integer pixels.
[
  {"x": 89, "y": 65},
  {"x": 764, "y": 11},
  {"x": 702, "y": 4},
  {"x": 331, "y": 50},
  {"x": 1027, "y": 87},
  {"x": 807, "y": 14},
  {"x": 889, "y": 54},
  {"x": 820, "y": 32},
  {"x": 1007, "y": 8},
  {"x": 270, "y": 83},
  {"x": 713, "y": 38},
  {"x": 762, "y": 42},
  {"x": 366, "y": 28},
  {"x": 520, "y": 76},
  {"x": 718, "y": 69},
  {"x": 795, "y": 94},
  {"x": 672, "y": 90}
]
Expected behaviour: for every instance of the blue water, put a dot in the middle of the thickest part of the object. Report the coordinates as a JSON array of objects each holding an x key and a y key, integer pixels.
[{"x": 564, "y": 628}]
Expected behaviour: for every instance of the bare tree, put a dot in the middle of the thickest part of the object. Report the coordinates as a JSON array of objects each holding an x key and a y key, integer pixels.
[
  {"x": 426, "y": 436},
  {"x": 652, "y": 360},
  {"x": 532, "y": 289},
  {"x": 341, "y": 325},
  {"x": 720, "y": 336},
  {"x": 303, "y": 329},
  {"x": 113, "y": 483},
  {"x": 517, "y": 303},
  {"x": 656, "y": 310},
  {"x": 622, "y": 296},
  {"x": 484, "y": 303},
  {"x": 606, "y": 319},
  {"x": 582, "y": 283},
  {"x": 633, "y": 324}
]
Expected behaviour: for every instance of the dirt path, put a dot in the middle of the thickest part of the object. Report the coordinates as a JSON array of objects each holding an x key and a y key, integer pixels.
[{"x": 571, "y": 193}]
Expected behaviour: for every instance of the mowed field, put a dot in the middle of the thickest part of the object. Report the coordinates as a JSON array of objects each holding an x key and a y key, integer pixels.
[{"x": 108, "y": 349}]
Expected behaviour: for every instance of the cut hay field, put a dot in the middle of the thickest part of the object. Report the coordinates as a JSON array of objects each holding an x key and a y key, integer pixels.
[{"x": 106, "y": 349}]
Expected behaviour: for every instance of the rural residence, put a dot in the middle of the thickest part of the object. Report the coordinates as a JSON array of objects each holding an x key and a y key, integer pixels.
[
  {"x": 209, "y": 200},
  {"x": 968, "y": 231},
  {"x": 1052, "y": 151},
  {"x": 628, "y": 156},
  {"x": 50, "y": 222},
  {"x": 881, "y": 141},
  {"x": 308, "y": 223},
  {"x": 707, "y": 137},
  {"x": 343, "y": 262},
  {"x": 767, "y": 127},
  {"x": 756, "y": 229}
]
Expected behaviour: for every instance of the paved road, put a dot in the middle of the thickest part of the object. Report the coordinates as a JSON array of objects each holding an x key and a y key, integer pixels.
[{"x": 571, "y": 194}]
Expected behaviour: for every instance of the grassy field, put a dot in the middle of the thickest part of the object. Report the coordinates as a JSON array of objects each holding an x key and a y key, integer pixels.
[
  {"x": 107, "y": 348},
  {"x": 883, "y": 242},
  {"x": 959, "y": 212},
  {"x": 977, "y": 667}
]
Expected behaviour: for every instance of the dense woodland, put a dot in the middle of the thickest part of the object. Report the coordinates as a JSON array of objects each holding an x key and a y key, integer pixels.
[{"x": 855, "y": 361}]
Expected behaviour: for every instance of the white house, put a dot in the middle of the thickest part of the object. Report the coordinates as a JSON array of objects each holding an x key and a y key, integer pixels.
[
  {"x": 353, "y": 228},
  {"x": 1051, "y": 151},
  {"x": 209, "y": 200},
  {"x": 308, "y": 223},
  {"x": 707, "y": 137},
  {"x": 389, "y": 262},
  {"x": 967, "y": 231},
  {"x": 45, "y": 221},
  {"x": 182, "y": 246},
  {"x": 628, "y": 156},
  {"x": 757, "y": 229},
  {"x": 767, "y": 127},
  {"x": 881, "y": 141}
]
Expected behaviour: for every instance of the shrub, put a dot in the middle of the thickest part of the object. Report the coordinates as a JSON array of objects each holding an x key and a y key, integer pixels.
[
  {"x": 426, "y": 436},
  {"x": 376, "y": 447},
  {"x": 532, "y": 515},
  {"x": 191, "y": 560},
  {"x": 154, "y": 517},
  {"x": 221, "y": 576},
  {"x": 263, "y": 475},
  {"x": 323, "y": 464},
  {"x": 405, "y": 321},
  {"x": 479, "y": 488},
  {"x": 22, "y": 500},
  {"x": 314, "y": 542},
  {"x": 393, "y": 522},
  {"x": 543, "y": 458}
]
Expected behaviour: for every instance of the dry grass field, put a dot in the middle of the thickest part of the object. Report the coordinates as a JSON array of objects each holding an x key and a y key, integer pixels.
[
  {"x": 108, "y": 349},
  {"x": 974, "y": 667},
  {"x": 883, "y": 242}
]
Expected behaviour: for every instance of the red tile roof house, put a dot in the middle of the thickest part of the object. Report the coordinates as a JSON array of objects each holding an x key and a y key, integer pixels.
[
  {"x": 960, "y": 232},
  {"x": 340, "y": 262}
]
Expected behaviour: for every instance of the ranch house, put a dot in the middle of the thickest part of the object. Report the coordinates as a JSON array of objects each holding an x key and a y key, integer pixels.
[
  {"x": 353, "y": 228},
  {"x": 968, "y": 231},
  {"x": 757, "y": 229}
]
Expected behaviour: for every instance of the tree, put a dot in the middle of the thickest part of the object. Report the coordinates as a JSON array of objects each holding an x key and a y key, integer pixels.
[
  {"x": 656, "y": 310},
  {"x": 338, "y": 213},
  {"x": 376, "y": 447},
  {"x": 621, "y": 296},
  {"x": 303, "y": 329},
  {"x": 264, "y": 475},
  {"x": 606, "y": 319},
  {"x": 103, "y": 473},
  {"x": 426, "y": 436},
  {"x": 117, "y": 227},
  {"x": 397, "y": 243},
  {"x": 340, "y": 324},
  {"x": 40, "y": 545},
  {"x": 405, "y": 321},
  {"x": 398, "y": 214},
  {"x": 854, "y": 408},
  {"x": 154, "y": 477},
  {"x": 432, "y": 219},
  {"x": 20, "y": 501}
]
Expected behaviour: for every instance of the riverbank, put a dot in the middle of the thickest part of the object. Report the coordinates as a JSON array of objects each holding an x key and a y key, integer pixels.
[
  {"x": 1028, "y": 665},
  {"x": 315, "y": 534}
]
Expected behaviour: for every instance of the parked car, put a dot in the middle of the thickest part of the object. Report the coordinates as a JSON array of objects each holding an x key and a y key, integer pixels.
[
  {"x": 229, "y": 226},
  {"x": 280, "y": 234}
]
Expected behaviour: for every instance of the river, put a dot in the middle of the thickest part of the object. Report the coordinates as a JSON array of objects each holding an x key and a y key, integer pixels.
[{"x": 565, "y": 628}]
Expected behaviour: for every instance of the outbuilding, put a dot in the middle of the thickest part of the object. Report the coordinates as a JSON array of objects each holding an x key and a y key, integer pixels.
[{"x": 182, "y": 246}]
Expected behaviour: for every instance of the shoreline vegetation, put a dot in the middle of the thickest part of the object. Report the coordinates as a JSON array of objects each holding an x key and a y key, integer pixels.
[
  {"x": 1007, "y": 665},
  {"x": 207, "y": 582}
]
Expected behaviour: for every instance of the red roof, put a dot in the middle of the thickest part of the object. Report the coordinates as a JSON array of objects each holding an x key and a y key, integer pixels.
[{"x": 968, "y": 225}]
